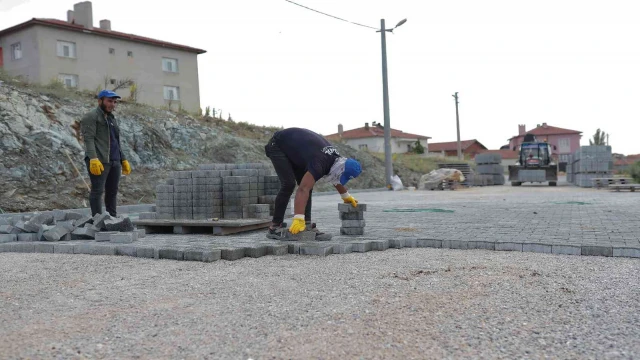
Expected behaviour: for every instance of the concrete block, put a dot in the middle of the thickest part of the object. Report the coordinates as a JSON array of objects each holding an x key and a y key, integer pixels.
[
  {"x": 353, "y": 223},
  {"x": 277, "y": 250},
  {"x": 104, "y": 235},
  {"x": 351, "y": 216},
  {"x": 27, "y": 237},
  {"x": 146, "y": 252},
  {"x": 294, "y": 249},
  {"x": 351, "y": 231},
  {"x": 98, "y": 220},
  {"x": 83, "y": 221},
  {"x": 349, "y": 208},
  {"x": 181, "y": 174},
  {"x": 626, "y": 252},
  {"x": 454, "y": 244},
  {"x": 379, "y": 245},
  {"x": 566, "y": 249},
  {"x": 63, "y": 248},
  {"x": 314, "y": 249},
  {"x": 122, "y": 224},
  {"x": 429, "y": 243},
  {"x": 94, "y": 249},
  {"x": 411, "y": 243},
  {"x": 141, "y": 233},
  {"x": 538, "y": 248},
  {"x": 597, "y": 250},
  {"x": 343, "y": 248},
  {"x": 59, "y": 215},
  {"x": 122, "y": 238},
  {"x": 147, "y": 215},
  {"x": 256, "y": 251},
  {"x": 126, "y": 250},
  {"x": 227, "y": 180},
  {"x": 202, "y": 255},
  {"x": 7, "y": 238},
  {"x": 44, "y": 248},
  {"x": 56, "y": 234},
  {"x": 232, "y": 254},
  {"x": 170, "y": 254},
  {"x": 482, "y": 245},
  {"x": 9, "y": 229},
  {"x": 83, "y": 233},
  {"x": 396, "y": 243},
  {"x": 508, "y": 246},
  {"x": 362, "y": 246},
  {"x": 301, "y": 236},
  {"x": 72, "y": 215},
  {"x": 5, "y": 247},
  {"x": 67, "y": 224},
  {"x": 23, "y": 247}
]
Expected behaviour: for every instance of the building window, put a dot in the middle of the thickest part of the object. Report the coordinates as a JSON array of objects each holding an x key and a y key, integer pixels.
[
  {"x": 564, "y": 145},
  {"x": 16, "y": 51},
  {"x": 363, "y": 147},
  {"x": 69, "y": 80},
  {"x": 66, "y": 49},
  {"x": 130, "y": 53},
  {"x": 170, "y": 65},
  {"x": 112, "y": 51},
  {"x": 171, "y": 93}
]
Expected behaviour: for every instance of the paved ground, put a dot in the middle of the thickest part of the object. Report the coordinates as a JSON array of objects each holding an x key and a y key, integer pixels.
[
  {"x": 400, "y": 303},
  {"x": 535, "y": 218}
]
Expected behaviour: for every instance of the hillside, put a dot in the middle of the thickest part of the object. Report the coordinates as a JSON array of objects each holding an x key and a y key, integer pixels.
[{"x": 38, "y": 124}]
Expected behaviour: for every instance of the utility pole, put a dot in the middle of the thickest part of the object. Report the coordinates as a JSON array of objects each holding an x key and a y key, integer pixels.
[
  {"x": 388, "y": 165},
  {"x": 458, "y": 127}
]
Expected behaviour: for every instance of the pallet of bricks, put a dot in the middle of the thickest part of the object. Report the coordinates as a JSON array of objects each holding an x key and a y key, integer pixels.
[
  {"x": 591, "y": 162},
  {"x": 222, "y": 191},
  {"x": 489, "y": 170},
  {"x": 570, "y": 170}
]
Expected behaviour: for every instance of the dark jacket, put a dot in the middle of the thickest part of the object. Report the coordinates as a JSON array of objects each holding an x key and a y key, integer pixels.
[{"x": 96, "y": 133}]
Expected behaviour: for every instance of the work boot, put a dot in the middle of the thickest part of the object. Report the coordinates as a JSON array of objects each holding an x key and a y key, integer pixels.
[
  {"x": 277, "y": 233},
  {"x": 320, "y": 236}
]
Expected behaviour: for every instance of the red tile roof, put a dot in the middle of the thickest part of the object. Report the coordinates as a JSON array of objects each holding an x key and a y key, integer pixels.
[
  {"x": 505, "y": 153},
  {"x": 98, "y": 31},
  {"x": 453, "y": 145},
  {"x": 374, "y": 131},
  {"x": 548, "y": 130},
  {"x": 628, "y": 160}
]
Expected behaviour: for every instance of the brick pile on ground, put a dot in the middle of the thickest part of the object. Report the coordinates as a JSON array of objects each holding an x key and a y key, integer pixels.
[
  {"x": 60, "y": 225},
  {"x": 489, "y": 170},
  {"x": 352, "y": 219},
  {"x": 223, "y": 191}
]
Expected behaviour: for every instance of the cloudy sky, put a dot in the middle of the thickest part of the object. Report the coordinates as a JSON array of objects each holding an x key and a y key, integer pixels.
[{"x": 570, "y": 63}]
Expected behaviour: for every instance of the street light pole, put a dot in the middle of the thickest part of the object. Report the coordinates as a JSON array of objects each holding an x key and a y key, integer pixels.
[
  {"x": 458, "y": 127},
  {"x": 388, "y": 165}
]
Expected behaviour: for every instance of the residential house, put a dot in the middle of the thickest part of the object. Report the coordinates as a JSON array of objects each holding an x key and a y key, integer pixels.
[
  {"x": 564, "y": 141},
  {"x": 622, "y": 163},
  {"x": 372, "y": 138},
  {"x": 509, "y": 157},
  {"x": 450, "y": 148},
  {"x": 86, "y": 57}
]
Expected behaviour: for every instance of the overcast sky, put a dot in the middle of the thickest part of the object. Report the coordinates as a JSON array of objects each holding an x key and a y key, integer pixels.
[{"x": 570, "y": 63}]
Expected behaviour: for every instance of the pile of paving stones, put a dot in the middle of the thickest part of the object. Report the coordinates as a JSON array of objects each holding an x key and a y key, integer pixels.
[
  {"x": 352, "y": 219},
  {"x": 489, "y": 170},
  {"x": 588, "y": 163},
  {"x": 223, "y": 191},
  {"x": 60, "y": 225}
]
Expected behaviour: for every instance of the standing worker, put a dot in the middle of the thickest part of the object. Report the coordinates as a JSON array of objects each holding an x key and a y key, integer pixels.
[
  {"x": 301, "y": 156},
  {"x": 103, "y": 153}
]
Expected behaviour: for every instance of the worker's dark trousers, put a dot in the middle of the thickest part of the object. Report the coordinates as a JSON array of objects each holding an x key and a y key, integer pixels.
[
  {"x": 289, "y": 177},
  {"x": 104, "y": 184}
]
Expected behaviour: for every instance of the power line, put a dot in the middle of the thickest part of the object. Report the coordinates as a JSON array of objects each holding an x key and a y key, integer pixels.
[{"x": 370, "y": 27}]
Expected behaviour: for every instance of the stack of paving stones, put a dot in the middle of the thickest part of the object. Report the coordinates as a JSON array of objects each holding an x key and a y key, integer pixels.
[
  {"x": 224, "y": 191},
  {"x": 352, "y": 219},
  {"x": 590, "y": 162},
  {"x": 60, "y": 225},
  {"x": 489, "y": 170}
]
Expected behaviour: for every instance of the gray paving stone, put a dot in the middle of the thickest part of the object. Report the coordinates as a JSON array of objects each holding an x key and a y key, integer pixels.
[
  {"x": 396, "y": 243},
  {"x": 8, "y": 238},
  {"x": 566, "y": 249},
  {"x": 126, "y": 250},
  {"x": 411, "y": 243},
  {"x": 256, "y": 251},
  {"x": 171, "y": 254},
  {"x": 46, "y": 248},
  {"x": 202, "y": 255},
  {"x": 342, "y": 248},
  {"x": 455, "y": 244},
  {"x": 508, "y": 246},
  {"x": 63, "y": 248},
  {"x": 313, "y": 249},
  {"x": 538, "y": 248},
  {"x": 293, "y": 249},
  {"x": 278, "y": 250},
  {"x": 146, "y": 252},
  {"x": 232, "y": 254},
  {"x": 353, "y": 223},
  {"x": 597, "y": 250},
  {"x": 429, "y": 243},
  {"x": 626, "y": 252},
  {"x": 481, "y": 245},
  {"x": 379, "y": 245}
]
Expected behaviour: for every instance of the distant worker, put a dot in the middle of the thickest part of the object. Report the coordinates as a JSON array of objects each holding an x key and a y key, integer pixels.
[
  {"x": 103, "y": 154},
  {"x": 301, "y": 156}
]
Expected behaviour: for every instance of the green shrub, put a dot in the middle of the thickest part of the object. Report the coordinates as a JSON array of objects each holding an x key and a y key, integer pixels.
[{"x": 635, "y": 171}]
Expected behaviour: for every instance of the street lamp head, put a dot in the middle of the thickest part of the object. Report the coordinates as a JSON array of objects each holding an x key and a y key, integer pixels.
[{"x": 401, "y": 22}]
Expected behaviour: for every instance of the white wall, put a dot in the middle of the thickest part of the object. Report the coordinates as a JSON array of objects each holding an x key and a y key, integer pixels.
[{"x": 27, "y": 67}]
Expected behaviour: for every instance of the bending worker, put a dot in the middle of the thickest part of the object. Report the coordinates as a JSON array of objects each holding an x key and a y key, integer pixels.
[
  {"x": 103, "y": 154},
  {"x": 301, "y": 156}
]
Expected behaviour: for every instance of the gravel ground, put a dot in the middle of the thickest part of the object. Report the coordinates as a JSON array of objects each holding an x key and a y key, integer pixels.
[{"x": 407, "y": 303}]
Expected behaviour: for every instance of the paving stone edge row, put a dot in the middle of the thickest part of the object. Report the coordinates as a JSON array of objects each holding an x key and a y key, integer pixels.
[{"x": 210, "y": 253}]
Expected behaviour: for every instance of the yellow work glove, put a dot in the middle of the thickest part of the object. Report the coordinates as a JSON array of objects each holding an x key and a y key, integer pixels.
[
  {"x": 126, "y": 168},
  {"x": 95, "y": 167},
  {"x": 298, "y": 224},
  {"x": 348, "y": 199}
]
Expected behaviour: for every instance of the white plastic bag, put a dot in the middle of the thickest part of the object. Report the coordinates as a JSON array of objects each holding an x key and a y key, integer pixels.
[{"x": 396, "y": 183}]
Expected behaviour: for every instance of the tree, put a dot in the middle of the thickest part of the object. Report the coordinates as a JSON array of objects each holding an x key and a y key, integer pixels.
[
  {"x": 635, "y": 171},
  {"x": 599, "y": 138},
  {"x": 419, "y": 149}
]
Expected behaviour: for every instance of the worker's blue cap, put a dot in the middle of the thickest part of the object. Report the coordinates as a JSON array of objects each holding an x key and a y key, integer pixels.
[
  {"x": 109, "y": 94},
  {"x": 351, "y": 171}
]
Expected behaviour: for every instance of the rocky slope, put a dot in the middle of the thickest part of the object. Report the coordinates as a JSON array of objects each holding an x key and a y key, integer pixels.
[{"x": 39, "y": 128}]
